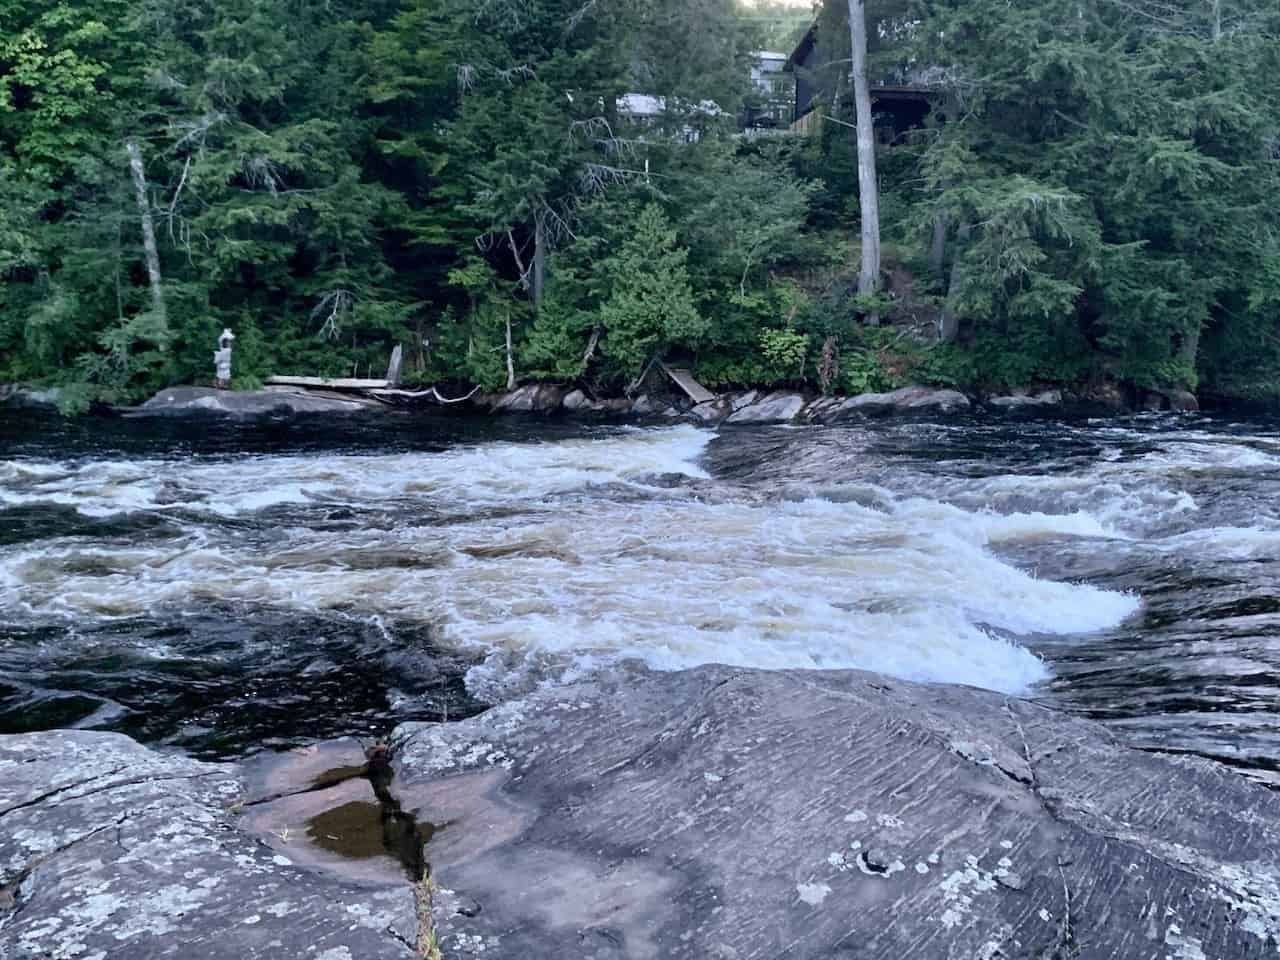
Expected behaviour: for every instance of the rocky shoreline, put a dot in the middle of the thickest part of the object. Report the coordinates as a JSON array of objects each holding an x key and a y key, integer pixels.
[
  {"x": 726, "y": 813},
  {"x": 757, "y": 406}
]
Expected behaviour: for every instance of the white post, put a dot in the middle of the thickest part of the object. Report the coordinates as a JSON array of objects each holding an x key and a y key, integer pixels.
[{"x": 222, "y": 359}]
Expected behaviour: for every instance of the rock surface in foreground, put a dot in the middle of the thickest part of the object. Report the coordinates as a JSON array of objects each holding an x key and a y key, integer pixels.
[
  {"x": 711, "y": 813},
  {"x": 717, "y": 813},
  {"x": 109, "y": 850}
]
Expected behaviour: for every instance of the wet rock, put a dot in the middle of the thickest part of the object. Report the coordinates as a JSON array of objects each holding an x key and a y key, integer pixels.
[
  {"x": 1183, "y": 401},
  {"x": 531, "y": 398},
  {"x": 713, "y": 411},
  {"x": 575, "y": 400},
  {"x": 779, "y": 407},
  {"x": 1026, "y": 401},
  {"x": 645, "y": 406},
  {"x": 111, "y": 851},
  {"x": 905, "y": 400},
  {"x": 749, "y": 814},
  {"x": 617, "y": 406},
  {"x": 16, "y": 395},
  {"x": 186, "y": 401},
  {"x": 578, "y": 402},
  {"x": 821, "y": 409},
  {"x": 1108, "y": 395}
]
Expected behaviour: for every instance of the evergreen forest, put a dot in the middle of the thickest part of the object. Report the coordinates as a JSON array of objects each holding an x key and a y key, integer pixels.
[{"x": 1092, "y": 198}]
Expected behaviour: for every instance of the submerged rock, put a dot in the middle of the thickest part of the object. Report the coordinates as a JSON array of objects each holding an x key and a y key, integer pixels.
[
  {"x": 184, "y": 401},
  {"x": 714, "y": 812}
]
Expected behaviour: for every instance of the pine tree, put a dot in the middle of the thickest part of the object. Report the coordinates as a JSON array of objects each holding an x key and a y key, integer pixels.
[{"x": 650, "y": 308}]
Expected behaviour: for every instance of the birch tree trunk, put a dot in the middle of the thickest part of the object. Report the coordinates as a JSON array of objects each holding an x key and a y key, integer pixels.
[
  {"x": 868, "y": 189},
  {"x": 150, "y": 252},
  {"x": 511, "y": 361}
]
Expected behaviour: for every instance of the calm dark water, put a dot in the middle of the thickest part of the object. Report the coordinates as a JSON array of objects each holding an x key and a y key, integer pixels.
[{"x": 224, "y": 588}]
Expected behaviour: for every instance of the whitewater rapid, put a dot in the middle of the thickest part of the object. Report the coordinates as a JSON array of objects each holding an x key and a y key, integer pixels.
[{"x": 575, "y": 552}]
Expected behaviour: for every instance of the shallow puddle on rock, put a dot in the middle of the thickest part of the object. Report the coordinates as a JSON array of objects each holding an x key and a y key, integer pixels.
[
  {"x": 361, "y": 829},
  {"x": 336, "y": 775}
]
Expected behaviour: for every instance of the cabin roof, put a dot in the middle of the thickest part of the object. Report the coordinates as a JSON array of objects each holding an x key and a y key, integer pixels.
[{"x": 801, "y": 52}]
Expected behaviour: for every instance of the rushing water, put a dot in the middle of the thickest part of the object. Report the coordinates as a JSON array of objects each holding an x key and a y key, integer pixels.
[{"x": 226, "y": 587}]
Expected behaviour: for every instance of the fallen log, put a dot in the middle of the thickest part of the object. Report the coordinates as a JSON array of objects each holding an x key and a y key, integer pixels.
[
  {"x": 392, "y": 395},
  {"x": 328, "y": 383}
]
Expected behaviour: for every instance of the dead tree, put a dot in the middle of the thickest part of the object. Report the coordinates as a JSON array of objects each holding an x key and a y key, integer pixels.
[{"x": 149, "y": 249}]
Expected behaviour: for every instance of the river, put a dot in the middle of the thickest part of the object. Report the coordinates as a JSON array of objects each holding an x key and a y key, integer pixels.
[{"x": 223, "y": 588}]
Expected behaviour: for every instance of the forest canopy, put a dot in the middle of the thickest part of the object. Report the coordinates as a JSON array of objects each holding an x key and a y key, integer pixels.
[{"x": 1091, "y": 195}]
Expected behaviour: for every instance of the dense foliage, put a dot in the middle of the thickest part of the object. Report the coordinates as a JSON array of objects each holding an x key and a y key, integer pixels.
[{"x": 1090, "y": 197}]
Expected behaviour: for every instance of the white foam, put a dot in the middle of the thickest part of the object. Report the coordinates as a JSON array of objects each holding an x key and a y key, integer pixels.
[
  {"x": 489, "y": 474},
  {"x": 1182, "y": 454},
  {"x": 1226, "y": 543},
  {"x": 1110, "y": 499}
]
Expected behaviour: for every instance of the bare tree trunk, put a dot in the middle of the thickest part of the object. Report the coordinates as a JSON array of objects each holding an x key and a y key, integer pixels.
[
  {"x": 539, "y": 261},
  {"x": 938, "y": 246},
  {"x": 949, "y": 322},
  {"x": 868, "y": 189},
  {"x": 511, "y": 363},
  {"x": 149, "y": 249},
  {"x": 591, "y": 348},
  {"x": 1190, "y": 348}
]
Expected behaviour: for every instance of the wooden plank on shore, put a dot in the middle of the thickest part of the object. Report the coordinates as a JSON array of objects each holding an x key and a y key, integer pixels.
[
  {"x": 393, "y": 367},
  {"x": 684, "y": 380},
  {"x": 328, "y": 383}
]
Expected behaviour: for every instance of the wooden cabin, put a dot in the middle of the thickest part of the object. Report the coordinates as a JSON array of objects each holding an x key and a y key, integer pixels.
[{"x": 901, "y": 99}]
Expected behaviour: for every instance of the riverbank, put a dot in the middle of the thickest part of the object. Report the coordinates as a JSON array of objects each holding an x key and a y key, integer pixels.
[
  {"x": 737, "y": 406},
  {"x": 758, "y": 405},
  {"x": 729, "y": 813}
]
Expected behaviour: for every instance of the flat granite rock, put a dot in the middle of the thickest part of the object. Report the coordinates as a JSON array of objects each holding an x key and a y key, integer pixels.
[
  {"x": 722, "y": 813},
  {"x": 110, "y": 851}
]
